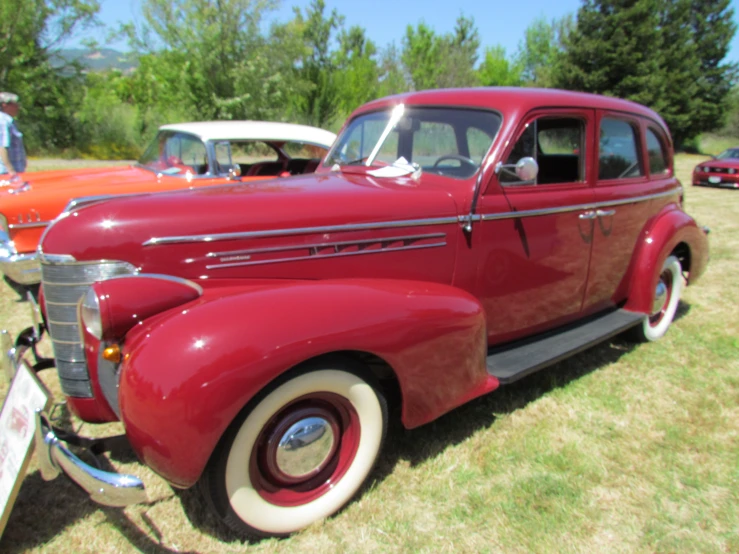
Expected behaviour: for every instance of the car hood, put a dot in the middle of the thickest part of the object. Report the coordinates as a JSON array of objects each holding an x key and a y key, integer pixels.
[
  {"x": 723, "y": 164},
  {"x": 50, "y": 191},
  {"x": 177, "y": 232}
]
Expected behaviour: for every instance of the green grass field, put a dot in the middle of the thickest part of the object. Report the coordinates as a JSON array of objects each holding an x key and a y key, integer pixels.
[{"x": 623, "y": 448}]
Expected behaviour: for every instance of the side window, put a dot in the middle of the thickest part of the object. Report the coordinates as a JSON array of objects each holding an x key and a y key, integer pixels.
[
  {"x": 186, "y": 153},
  {"x": 252, "y": 152},
  {"x": 557, "y": 145},
  {"x": 619, "y": 152},
  {"x": 658, "y": 163}
]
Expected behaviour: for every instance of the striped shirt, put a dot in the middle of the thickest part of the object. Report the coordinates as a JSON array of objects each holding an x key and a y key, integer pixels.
[{"x": 12, "y": 140}]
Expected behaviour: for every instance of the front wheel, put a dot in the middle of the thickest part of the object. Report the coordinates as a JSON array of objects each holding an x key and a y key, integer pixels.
[
  {"x": 299, "y": 455},
  {"x": 666, "y": 298}
]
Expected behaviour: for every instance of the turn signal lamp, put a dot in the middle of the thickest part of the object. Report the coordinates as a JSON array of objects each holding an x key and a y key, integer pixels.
[{"x": 112, "y": 354}]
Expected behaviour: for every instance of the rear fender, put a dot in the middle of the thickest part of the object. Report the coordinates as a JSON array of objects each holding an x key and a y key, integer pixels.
[
  {"x": 668, "y": 230},
  {"x": 188, "y": 372}
]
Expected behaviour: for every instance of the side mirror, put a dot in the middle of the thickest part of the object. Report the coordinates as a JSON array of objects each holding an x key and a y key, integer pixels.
[
  {"x": 526, "y": 169},
  {"x": 234, "y": 172}
]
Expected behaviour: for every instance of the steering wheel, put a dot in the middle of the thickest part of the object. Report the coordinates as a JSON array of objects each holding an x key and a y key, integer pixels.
[{"x": 467, "y": 161}]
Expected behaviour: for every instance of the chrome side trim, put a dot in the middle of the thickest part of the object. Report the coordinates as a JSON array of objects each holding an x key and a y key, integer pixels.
[
  {"x": 162, "y": 277},
  {"x": 322, "y": 256},
  {"x": 580, "y": 207},
  {"x": 397, "y": 224},
  {"x": 104, "y": 487},
  {"x": 28, "y": 225},
  {"x": 320, "y": 245},
  {"x": 302, "y": 231},
  {"x": 79, "y": 202}
]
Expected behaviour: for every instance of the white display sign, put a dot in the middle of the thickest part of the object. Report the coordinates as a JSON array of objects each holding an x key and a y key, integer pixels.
[{"x": 17, "y": 425}]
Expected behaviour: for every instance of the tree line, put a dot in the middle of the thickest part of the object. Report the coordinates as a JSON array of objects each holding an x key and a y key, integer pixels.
[{"x": 207, "y": 59}]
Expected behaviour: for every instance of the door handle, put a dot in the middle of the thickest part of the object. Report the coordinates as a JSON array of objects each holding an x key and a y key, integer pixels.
[
  {"x": 590, "y": 214},
  {"x": 604, "y": 213}
]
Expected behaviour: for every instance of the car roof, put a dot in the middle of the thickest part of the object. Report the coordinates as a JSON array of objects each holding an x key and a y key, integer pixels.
[
  {"x": 254, "y": 130},
  {"x": 508, "y": 100}
]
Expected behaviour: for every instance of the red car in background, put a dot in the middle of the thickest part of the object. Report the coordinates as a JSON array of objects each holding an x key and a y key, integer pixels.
[{"x": 722, "y": 171}]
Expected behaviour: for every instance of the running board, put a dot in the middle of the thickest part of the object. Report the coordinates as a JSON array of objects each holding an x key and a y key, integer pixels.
[{"x": 512, "y": 362}]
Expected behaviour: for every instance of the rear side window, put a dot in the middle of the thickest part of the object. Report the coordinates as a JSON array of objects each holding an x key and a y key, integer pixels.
[
  {"x": 656, "y": 150},
  {"x": 619, "y": 151}
]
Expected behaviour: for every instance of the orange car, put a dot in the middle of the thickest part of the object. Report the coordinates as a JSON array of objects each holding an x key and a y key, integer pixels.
[{"x": 184, "y": 155}]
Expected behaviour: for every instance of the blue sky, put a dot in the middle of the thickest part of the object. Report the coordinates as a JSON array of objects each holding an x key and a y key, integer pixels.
[{"x": 499, "y": 22}]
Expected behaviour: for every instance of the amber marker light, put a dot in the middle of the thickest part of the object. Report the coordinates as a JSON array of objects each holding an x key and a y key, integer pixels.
[{"x": 112, "y": 354}]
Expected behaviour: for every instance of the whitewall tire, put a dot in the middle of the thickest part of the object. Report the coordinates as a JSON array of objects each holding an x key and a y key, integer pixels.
[
  {"x": 667, "y": 297},
  {"x": 299, "y": 455}
]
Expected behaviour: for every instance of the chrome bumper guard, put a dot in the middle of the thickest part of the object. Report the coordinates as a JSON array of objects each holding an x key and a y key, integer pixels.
[
  {"x": 24, "y": 269},
  {"x": 54, "y": 457},
  {"x": 104, "y": 487},
  {"x": 14, "y": 351}
]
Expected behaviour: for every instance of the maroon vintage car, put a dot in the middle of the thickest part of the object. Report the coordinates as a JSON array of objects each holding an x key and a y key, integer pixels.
[
  {"x": 452, "y": 241},
  {"x": 721, "y": 171}
]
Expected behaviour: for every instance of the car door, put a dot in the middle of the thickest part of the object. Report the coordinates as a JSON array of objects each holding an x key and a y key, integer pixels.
[
  {"x": 535, "y": 244},
  {"x": 626, "y": 196}
]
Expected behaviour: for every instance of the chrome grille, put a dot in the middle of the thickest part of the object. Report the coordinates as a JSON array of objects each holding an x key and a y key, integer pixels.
[{"x": 63, "y": 286}]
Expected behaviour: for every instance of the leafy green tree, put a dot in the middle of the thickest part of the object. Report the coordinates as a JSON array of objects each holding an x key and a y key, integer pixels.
[
  {"x": 421, "y": 56},
  {"x": 497, "y": 70},
  {"x": 392, "y": 78},
  {"x": 225, "y": 66},
  {"x": 30, "y": 31},
  {"x": 540, "y": 51},
  {"x": 459, "y": 55},
  {"x": 357, "y": 72},
  {"x": 435, "y": 61},
  {"x": 318, "y": 96}
]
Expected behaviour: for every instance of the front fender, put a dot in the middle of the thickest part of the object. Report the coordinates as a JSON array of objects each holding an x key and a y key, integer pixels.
[
  {"x": 669, "y": 229},
  {"x": 188, "y": 372}
]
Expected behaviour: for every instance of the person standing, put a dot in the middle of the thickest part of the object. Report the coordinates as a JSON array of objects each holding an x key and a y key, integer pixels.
[{"x": 12, "y": 151}]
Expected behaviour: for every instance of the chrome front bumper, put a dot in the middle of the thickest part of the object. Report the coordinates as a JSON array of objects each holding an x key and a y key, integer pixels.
[
  {"x": 24, "y": 269},
  {"x": 54, "y": 457},
  {"x": 104, "y": 487}
]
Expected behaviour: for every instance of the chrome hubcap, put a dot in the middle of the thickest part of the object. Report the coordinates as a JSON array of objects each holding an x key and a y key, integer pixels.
[
  {"x": 660, "y": 296},
  {"x": 305, "y": 447}
]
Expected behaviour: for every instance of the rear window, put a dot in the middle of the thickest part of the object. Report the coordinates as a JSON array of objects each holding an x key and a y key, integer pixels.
[{"x": 658, "y": 164}]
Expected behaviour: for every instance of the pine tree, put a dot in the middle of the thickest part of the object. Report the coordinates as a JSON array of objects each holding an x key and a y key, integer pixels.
[{"x": 666, "y": 54}]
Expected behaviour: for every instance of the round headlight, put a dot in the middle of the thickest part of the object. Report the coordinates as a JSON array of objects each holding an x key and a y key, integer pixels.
[{"x": 90, "y": 314}]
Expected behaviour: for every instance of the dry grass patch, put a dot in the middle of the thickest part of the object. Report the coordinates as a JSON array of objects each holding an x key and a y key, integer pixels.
[{"x": 624, "y": 448}]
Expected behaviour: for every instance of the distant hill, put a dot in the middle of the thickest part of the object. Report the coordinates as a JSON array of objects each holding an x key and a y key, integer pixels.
[{"x": 101, "y": 59}]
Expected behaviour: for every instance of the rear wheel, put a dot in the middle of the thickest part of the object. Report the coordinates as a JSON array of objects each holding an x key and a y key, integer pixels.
[
  {"x": 666, "y": 298},
  {"x": 299, "y": 454}
]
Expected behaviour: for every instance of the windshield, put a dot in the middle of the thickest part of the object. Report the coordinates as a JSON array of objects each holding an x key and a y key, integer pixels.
[
  {"x": 731, "y": 153},
  {"x": 174, "y": 153},
  {"x": 446, "y": 141}
]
